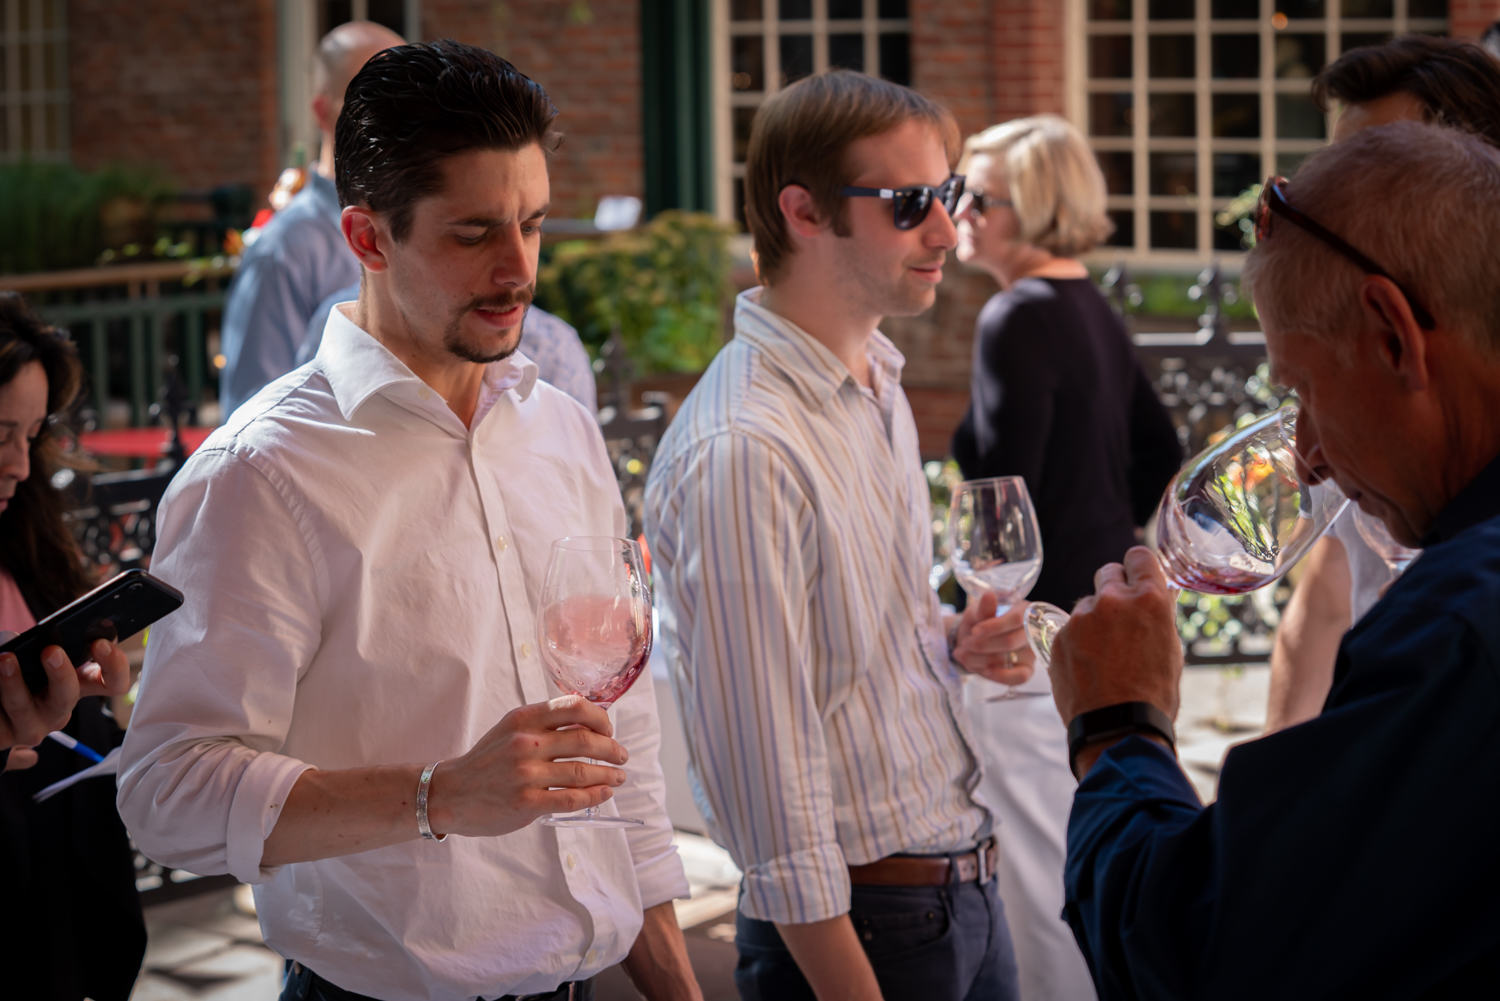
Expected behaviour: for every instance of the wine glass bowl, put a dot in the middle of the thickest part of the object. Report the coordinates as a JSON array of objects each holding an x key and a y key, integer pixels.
[
  {"x": 594, "y": 631},
  {"x": 1237, "y": 517},
  {"x": 1373, "y": 531},
  {"x": 995, "y": 544}
]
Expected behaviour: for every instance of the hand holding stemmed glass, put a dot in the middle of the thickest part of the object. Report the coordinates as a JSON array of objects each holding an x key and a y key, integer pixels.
[
  {"x": 1236, "y": 518},
  {"x": 995, "y": 547},
  {"x": 595, "y": 631}
]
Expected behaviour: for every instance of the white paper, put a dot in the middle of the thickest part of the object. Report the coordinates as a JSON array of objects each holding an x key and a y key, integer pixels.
[{"x": 109, "y": 766}]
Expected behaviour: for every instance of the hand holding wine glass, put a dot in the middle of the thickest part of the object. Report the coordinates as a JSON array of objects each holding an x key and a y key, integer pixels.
[
  {"x": 996, "y": 554},
  {"x": 595, "y": 630}
]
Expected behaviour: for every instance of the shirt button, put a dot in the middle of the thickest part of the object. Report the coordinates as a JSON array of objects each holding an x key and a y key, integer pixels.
[
  {"x": 500, "y": 543},
  {"x": 424, "y": 393},
  {"x": 526, "y": 652},
  {"x": 572, "y": 861}
]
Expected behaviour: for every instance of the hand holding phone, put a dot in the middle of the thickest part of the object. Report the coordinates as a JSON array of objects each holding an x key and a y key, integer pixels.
[{"x": 26, "y": 718}]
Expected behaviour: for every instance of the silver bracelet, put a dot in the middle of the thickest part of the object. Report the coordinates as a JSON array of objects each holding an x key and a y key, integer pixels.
[{"x": 422, "y": 804}]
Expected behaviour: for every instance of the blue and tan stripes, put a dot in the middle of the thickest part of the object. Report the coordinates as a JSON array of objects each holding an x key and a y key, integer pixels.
[{"x": 789, "y": 526}]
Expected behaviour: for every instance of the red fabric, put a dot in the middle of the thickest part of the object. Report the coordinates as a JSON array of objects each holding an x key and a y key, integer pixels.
[{"x": 139, "y": 443}]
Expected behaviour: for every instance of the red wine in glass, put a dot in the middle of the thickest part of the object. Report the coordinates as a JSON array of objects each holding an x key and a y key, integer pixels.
[
  {"x": 1238, "y": 516},
  {"x": 595, "y": 631}
]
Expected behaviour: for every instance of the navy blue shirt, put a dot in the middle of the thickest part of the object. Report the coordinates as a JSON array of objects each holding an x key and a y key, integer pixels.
[{"x": 1355, "y": 855}]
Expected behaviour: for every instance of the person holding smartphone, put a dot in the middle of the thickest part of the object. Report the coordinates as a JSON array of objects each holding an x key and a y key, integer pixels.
[{"x": 69, "y": 856}]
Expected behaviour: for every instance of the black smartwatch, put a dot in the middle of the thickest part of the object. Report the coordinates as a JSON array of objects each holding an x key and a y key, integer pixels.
[{"x": 1113, "y": 722}]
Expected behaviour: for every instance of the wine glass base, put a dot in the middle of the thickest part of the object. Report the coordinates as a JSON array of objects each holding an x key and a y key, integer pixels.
[
  {"x": 578, "y": 820},
  {"x": 1008, "y": 696}
]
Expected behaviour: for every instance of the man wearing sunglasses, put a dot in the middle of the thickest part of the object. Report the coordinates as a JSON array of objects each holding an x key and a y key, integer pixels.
[
  {"x": 790, "y": 525},
  {"x": 1351, "y": 855}
]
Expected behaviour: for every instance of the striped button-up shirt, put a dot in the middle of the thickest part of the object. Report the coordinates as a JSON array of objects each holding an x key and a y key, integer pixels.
[{"x": 790, "y": 529}]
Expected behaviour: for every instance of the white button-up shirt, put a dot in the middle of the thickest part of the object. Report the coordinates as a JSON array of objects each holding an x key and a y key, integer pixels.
[
  {"x": 362, "y": 574},
  {"x": 791, "y": 531}
]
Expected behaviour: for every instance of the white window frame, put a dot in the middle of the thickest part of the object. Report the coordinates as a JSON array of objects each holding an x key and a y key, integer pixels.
[
  {"x": 37, "y": 100},
  {"x": 726, "y": 99},
  {"x": 1140, "y": 144}
]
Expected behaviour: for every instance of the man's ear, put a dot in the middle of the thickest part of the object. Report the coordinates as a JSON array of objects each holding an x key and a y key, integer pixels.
[
  {"x": 1400, "y": 339},
  {"x": 801, "y": 215},
  {"x": 322, "y": 109},
  {"x": 366, "y": 236}
]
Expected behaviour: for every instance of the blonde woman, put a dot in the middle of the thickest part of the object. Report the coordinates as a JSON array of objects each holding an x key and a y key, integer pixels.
[{"x": 1059, "y": 399}]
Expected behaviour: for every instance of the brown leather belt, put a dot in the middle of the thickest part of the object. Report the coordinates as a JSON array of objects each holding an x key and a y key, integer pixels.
[{"x": 918, "y": 870}]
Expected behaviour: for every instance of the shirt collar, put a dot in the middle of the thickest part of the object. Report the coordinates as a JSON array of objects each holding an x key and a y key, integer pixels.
[
  {"x": 815, "y": 370},
  {"x": 1479, "y": 501},
  {"x": 325, "y": 194},
  {"x": 358, "y": 366}
]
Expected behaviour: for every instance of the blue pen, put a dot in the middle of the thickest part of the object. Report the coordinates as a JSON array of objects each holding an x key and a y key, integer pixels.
[{"x": 70, "y": 743}]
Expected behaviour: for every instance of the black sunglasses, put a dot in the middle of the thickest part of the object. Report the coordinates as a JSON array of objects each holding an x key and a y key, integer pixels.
[
  {"x": 982, "y": 202},
  {"x": 912, "y": 204},
  {"x": 1273, "y": 202}
]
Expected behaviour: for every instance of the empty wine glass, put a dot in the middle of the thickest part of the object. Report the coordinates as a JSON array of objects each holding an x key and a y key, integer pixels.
[
  {"x": 1237, "y": 517},
  {"x": 1378, "y": 538},
  {"x": 995, "y": 545},
  {"x": 595, "y": 631}
]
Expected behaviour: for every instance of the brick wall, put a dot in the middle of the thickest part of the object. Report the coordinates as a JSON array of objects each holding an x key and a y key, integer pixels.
[
  {"x": 188, "y": 85},
  {"x": 1469, "y": 18},
  {"x": 989, "y": 61},
  {"x": 586, "y": 53}
]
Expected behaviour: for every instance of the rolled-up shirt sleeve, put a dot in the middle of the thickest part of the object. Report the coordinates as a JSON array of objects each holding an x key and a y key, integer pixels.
[
  {"x": 201, "y": 779},
  {"x": 658, "y": 868},
  {"x": 740, "y": 535}
]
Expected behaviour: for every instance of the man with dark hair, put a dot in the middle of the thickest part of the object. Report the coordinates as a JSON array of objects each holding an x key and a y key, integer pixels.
[
  {"x": 790, "y": 524},
  {"x": 299, "y": 257},
  {"x": 1417, "y": 78},
  {"x": 1443, "y": 80},
  {"x": 1352, "y": 856},
  {"x": 355, "y": 673}
]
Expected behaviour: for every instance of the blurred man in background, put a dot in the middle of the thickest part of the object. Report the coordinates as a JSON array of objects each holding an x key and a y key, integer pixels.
[{"x": 300, "y": 258}]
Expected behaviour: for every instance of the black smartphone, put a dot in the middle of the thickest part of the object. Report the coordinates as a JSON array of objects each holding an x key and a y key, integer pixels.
[{"x": 116, "y": 609}]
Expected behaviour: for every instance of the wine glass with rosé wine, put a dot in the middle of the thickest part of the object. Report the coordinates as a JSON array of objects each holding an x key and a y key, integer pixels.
[
  {"x": 1237, "y": 517},
  {"x": 595, "y": 631}
]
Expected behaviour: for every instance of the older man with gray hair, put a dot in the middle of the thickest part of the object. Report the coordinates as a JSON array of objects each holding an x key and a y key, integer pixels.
[{"x": 1352, "y": 855}]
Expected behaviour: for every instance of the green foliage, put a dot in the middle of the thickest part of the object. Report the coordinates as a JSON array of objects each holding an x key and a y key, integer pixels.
[
  {"x": 664, "y": 285},
  {"x": 54, "y": 216}
]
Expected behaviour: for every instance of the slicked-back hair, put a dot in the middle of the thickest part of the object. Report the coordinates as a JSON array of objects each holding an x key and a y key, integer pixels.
[
  {"x": 1457, "y": 82},
  {"x": 413, "y": 106},
  {"x": 802, "y": 135},
  {"x": 1421, "y": 199}
]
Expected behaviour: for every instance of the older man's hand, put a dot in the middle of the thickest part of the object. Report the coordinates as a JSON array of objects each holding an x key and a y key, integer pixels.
[{"x": 1121, "y": 644}]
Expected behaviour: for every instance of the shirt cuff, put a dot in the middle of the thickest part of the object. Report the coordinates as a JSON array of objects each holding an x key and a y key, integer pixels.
[
  {"x": 662, "y": 879},
  {"x": 799, "y": 888},
  {"x": 258, "y": 798}
]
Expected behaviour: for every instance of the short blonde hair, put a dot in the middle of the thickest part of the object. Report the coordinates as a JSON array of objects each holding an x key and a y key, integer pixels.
[{"x": 1055, "y": 183}]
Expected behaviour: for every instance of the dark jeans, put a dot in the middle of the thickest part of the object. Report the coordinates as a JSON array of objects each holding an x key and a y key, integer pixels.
[
  {"x": 933, "y": 943},
  {"x": 303, "y": 984}
]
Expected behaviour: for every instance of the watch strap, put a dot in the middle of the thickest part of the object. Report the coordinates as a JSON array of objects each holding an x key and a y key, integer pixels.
[{"x": 1113, "y": 722}]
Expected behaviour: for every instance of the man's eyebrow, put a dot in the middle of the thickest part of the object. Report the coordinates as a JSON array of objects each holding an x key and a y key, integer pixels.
[{"x": 491, "y": 222}]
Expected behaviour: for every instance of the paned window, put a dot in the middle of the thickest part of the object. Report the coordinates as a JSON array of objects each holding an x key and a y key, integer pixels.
[
  {"x": 1189, "y": 102},
  {"x": 763, "y": 45},
  {"x": 33, "y": 81}
]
